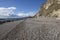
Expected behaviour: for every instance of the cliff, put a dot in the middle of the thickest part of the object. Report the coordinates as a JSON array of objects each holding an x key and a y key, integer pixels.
[{"x": 51, "y": 8}]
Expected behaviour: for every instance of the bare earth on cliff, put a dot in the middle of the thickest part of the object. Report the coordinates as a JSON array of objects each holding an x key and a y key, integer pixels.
[{"x": 51, "y": 8}]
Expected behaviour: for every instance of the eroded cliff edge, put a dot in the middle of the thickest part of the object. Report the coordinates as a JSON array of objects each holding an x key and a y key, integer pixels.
[{"x": 51, "y": 8}]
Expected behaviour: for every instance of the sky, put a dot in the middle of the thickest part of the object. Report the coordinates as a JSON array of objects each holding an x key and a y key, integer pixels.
[{"x": 19, "y": 7}]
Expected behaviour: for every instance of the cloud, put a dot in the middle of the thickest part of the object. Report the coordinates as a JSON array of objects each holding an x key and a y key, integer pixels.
[
  {"x": 5, "y": 12},
  {"x": 23, "y": 14}
]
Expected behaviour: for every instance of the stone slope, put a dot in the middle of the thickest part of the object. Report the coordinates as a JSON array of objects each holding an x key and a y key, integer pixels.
[
  {"x": 36, "y": 29},
  {"x": 49, "y": 9}
]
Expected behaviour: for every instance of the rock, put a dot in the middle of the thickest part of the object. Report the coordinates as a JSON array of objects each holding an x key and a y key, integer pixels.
[{"x": 51, "y": 8}]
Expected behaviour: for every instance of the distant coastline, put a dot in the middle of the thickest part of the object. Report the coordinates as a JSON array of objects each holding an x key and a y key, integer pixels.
[{"x": 4, "y": 20}]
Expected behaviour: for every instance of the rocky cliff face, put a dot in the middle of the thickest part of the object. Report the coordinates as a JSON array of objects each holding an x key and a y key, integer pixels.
[{"x": 51, "y": 8}]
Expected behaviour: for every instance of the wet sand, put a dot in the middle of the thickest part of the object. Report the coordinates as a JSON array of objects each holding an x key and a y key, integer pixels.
[
  {"x": 35, "y": 29},
  {"x": 7, "y": 27}
]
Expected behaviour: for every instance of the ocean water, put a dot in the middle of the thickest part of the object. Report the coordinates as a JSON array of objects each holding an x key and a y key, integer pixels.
[
  {"x": 4, "y": 20},
  {"x": 12, "y": 19}
]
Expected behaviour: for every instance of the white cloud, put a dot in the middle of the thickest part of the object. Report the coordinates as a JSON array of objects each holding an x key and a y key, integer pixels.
[
  {"x": 5, "y": 12},
  {"x": 23, "y": 14},
  {"x": 12, "y": 8}
]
